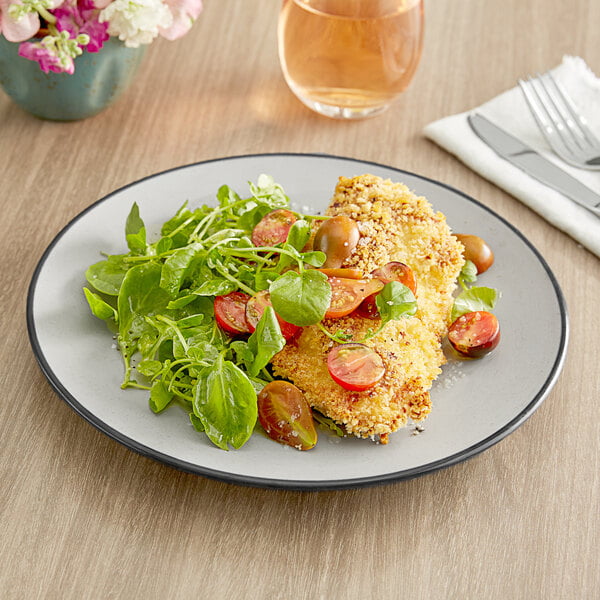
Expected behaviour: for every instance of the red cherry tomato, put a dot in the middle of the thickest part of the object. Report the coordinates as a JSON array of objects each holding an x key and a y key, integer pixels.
[
  {"x": 355, "y": 366},
  {"x": 392, "y": 271},
  {"x": 474, "y": 334},
  {"x": 254, "y": 311},
  {"x": 273, "y": 228},
  {"x": 477, "y": 251},
  {"x": 286, "y": 416},
  {"x": 347, "y": 294},
  {"x": 230, "y": 312}
]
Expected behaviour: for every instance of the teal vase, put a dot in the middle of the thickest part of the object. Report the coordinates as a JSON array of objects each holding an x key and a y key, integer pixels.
[{"x": 99, "y": 79}]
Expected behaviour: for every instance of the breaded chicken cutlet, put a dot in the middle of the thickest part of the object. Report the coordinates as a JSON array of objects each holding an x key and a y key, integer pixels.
[{"x": 395, "y": 225}]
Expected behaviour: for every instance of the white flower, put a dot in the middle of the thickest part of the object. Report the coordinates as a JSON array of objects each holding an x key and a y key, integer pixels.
[{"x": 136, "y": 22}]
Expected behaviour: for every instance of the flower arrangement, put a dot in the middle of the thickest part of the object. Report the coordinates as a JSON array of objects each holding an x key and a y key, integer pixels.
[{"x": 55, "y": 32}]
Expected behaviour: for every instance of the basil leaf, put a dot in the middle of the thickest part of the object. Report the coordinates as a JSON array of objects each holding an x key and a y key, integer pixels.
[
  {"x": 99, "y": 307},
  {"x": 395, "y": 301},
  {"x": 107, "y": 276},
  {"x": 473, "y": 299},
  {"x": 225, "y": 402},
  {"x": 301, "y": 298},
  {"x": 265, "y": 342}
]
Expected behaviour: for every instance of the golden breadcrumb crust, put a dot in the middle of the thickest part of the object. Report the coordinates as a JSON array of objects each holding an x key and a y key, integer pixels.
[{"x": 395, "y": 225}]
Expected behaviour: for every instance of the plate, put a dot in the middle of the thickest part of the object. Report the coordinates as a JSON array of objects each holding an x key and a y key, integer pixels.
[{"x": 475, "y": 403}]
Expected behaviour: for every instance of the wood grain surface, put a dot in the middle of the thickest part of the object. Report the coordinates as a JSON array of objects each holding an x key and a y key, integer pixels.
[{"x": 83, "y": 517}]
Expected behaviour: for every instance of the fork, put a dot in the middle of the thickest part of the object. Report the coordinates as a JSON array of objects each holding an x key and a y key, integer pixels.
[{"x": 563, "y": 126}]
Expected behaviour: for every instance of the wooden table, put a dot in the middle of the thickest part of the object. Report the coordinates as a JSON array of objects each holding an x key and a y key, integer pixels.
[{"x": 84, "y": 517}]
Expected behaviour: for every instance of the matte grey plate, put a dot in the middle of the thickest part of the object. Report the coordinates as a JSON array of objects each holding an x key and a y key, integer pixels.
[{"x": 475, "y": 403}]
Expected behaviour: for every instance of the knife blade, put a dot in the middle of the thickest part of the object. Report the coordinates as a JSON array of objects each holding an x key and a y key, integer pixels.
[{"x": 531, "y": 162}]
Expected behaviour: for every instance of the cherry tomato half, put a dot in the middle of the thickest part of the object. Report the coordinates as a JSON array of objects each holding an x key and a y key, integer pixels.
[
  {"x": 337, "y": 237},
  {"x": 355, "y": 366},
  {"x": 346, "y": 272},
  {"x": 392, "y": 271},
  {"x": 273, "y": 228},
  {"x": 347, "y": 294},
  {"x": 477, "y": 251},
  {"x": 286, "y": 416},
  {"x": 474, "y": 334},
  {"x": 254, "y": 311},
  {"x": 230, "y": 312}
]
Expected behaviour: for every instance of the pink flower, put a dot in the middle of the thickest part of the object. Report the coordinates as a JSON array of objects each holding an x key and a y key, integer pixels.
[
  {"x": 82, "y": 17},
  {"x": 49, "y": 60},
  {"x": 17, "y": 30},
  {"x": 184, "y": 12}
]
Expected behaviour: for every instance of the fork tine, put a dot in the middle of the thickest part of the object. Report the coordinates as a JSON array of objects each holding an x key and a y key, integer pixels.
[
  {"x": 557, "y": 118},
  {"x": 542, "y": 117},
  {"x": 578, "y": 119}
]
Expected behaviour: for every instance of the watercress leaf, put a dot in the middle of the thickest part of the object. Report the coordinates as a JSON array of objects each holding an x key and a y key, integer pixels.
[
  {"x": 203, "y": 351},
  {"x": 250, "y": 218},
  {"x": 269, "y": 192},
  {"x": 190, "y": 321},
  {"x": 468, "y": 273},
  {"x": 243, "y": 354},
  {"x": 225, "y": 402},
  {"x": 263, "y": 279},
  {"x": 175, "y": 267},
  {"x": 106, "y": 276},
  {"x": 314, "y": 259},
  {"x": 99, "y": 307},
  {"x": 265, "y": 342},
  {"x": 395, "y": 301},
  {"x": 182, "y": 214},
  {"x": 299, "y": 234},
  {"x": 475, "y": 298},
  {"x": 219, "y": 286},
  {"x": 149, "y": 367},
  {"x": 301, "y": 298},
  {"x": 160, "y": 397}
]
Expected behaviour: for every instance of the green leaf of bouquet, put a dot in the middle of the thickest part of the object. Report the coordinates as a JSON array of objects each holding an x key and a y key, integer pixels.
[{"x": 301, "y": 298}]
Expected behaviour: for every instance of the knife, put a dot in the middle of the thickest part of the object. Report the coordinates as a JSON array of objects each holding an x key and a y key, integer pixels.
[{"x": 528, "y": 160}]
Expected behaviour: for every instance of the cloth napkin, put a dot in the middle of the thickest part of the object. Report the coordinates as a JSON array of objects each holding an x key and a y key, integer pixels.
[{"x": 510, "y": 111}]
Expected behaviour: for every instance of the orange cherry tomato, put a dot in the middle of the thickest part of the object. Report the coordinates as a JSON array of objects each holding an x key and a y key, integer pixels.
[
  {"x": 255, "y": 308},
  {"x": 230, "y": 312},
  {"x": 392, "y": 271},
  {"x": 273, "y": 228},
  {"x": 346, "y": 272},
  {"x": 286, "y": 416},
  {"x": 477, "y": 251},
  {"x": 355, "y": 366},
  {"x": 347, "y": 294},
  {"x": 474, "y": 334}
]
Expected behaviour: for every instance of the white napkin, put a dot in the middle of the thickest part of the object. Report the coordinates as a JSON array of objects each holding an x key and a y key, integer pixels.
[{"x": 510, "y": 111}]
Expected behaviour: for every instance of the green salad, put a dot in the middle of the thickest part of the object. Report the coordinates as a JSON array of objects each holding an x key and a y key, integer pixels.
[{"x": 199, "y": 313}]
